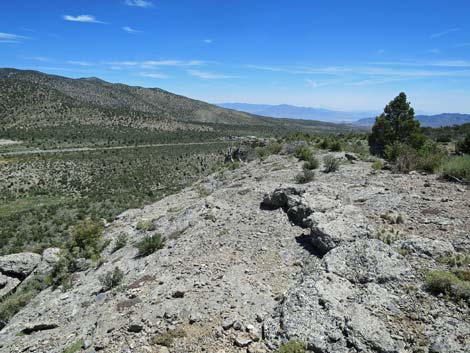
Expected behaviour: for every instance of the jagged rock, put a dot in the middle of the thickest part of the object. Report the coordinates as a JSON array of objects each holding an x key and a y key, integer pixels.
[
  {"x": 330, "y": 229},
  {"x": 242, "y": 341},
  {"x": 282, "y": 198},
  {"x": 427, "y": 247},
  {"x": 49, "y": 258},
  {"x": 19, "y": 265},
  {"x": 367, "y": 260},
  {"x": 7, "y": 284},
  {"x": 351, "y": 157}
]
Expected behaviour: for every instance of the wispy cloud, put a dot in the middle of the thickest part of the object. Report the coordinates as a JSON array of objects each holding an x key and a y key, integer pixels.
[
  {"x": 207, "y": 75},
  {"x": 208, "y": 41},
  {"x": 130, "y": 30},
  {"x": 139, "y": 3},
  {"x": 153, "y": 75},
  {"x": 11, "y": 38},
  {"x": 381, "y": 51},
  {"x": 79, "y": 63},
  {"x": 36, "y": 58},
  {"x": 443, "y": 33},
  {"x": 434, "y": 51},
  {"x": 176, "y": 63},
  {"x": 81, "y": 18}
]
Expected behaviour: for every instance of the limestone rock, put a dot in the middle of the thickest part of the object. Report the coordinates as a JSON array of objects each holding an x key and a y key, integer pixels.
[{"x": 19, "y": 265}]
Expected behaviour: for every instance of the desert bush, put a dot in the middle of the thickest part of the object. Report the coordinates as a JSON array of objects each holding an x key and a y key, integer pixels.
[
  {"x": 305, "y": 176},
  {"x": 61, "y": 273},
  {"x": 274, "y": 148},
  {"x": 112, "y": 279},
  {"x": 324, "y": 144},
  {"x": 377, "y": 165},
  {"x": 463, "y": 146},
  {"x": 335, "y": 146},
  {"x": 74, "y": 348},
  {"x": 311, "y": 164},
  {"x": 330, "y": 164},
  {"x": 293, "y": 346},
  {"x": 86, "y": 239},
  {"x": 303, "y": 153},
  {"x": 150, "y": 244},
  {"x": 457, "y": 168},
  {"x": 145, "y": 225},
  {"x": 448, "y": 283},
  {"x": 166, "y": 339},
  {"x": 120, "y": 242}
]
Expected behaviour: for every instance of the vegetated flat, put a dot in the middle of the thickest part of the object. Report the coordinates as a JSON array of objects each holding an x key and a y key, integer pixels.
[{"x": 41, "y": 196}]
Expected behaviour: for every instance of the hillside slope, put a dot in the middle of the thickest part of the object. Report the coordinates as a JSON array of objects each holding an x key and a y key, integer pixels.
[
  {"x": 238, "y": 274},
  {"x": 34, "y": 99}
]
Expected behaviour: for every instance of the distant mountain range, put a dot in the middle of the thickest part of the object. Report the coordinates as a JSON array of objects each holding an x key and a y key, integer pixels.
[
  {"x": 362, "y": 119},
  {"x": 446, "y": 119},
  {"x": 296, "y": 112}
]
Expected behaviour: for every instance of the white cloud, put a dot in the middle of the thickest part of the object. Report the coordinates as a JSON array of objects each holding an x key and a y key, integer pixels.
[
  {"x": 11, "y": 38},
  {"x": 312, "y": 83},
  {"x": 207, "y": 75},
  {"x": 81, "y": 18},
  {"x": 139, "y": 3},
  {"x": 124, "y": 63},
  {"x": 443, "y": 33},
  {"x": 177, "y": 63},
  {"x": 153, "y": 75},
  {"x": 79, "y": 63},
  {"x": 130, "y": 30},
  {"x": 36, "y": 58},
  {"x": 208, "y": 41}
]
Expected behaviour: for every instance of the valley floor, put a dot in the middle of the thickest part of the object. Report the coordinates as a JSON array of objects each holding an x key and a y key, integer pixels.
[{"x": 326, "y": 263}]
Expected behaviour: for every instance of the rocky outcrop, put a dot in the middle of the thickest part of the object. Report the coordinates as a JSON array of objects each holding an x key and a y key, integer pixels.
[
  {"x": 19, "y": 265},
  {"x": 312, "y": 264}
]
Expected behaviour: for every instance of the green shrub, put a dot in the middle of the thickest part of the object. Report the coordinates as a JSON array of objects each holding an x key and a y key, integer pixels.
[
  {"x": 311, "y": 164},
  {"x": 120, "y": 242},
  {"x": 377, "y": 165},
  {"x": 274, "y": 148},
  {"x": 324, "y": 144},
  {"x": 86, "y": 239},
  {"x": 430, "y": 158},
  {"x": 457, "y": 168},
  {"x": 330, "y": 164},
  {"x": 112, "y": 279},
  {"x": 303, "y": 153},
  {"x": 464, "y": 145},
  {"x": 166, "y": 339},
  {"x": 448, "y": 283},
  {"x": 305, "y": 176},
  {"x": 150, "y": 244},
  {"x": 75, "y": 347},
  {"x": 293, "y": 346},
  {"x": 61, "y": 273},
  {"x": 144, "y": 225},
  {"x": 335, "y": 146}
]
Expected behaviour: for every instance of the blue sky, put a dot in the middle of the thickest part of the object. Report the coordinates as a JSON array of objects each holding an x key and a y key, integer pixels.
[{"x": 346, "y": 55}]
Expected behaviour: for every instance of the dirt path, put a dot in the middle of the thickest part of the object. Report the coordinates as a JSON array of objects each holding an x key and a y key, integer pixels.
[{"x": 87, "y": 149}]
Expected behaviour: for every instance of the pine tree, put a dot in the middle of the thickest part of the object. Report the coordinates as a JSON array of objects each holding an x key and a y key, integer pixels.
[{"x": 396, "y": 125}]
